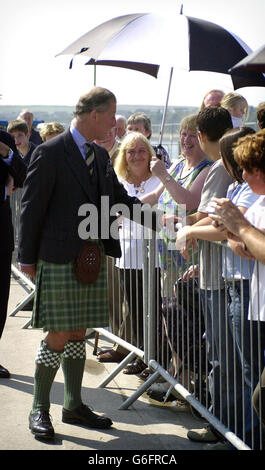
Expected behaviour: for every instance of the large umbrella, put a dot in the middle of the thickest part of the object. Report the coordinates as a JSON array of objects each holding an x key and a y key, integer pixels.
[
  {"x": 254, "y": 62},
  {"x": 174, "y": 40}
]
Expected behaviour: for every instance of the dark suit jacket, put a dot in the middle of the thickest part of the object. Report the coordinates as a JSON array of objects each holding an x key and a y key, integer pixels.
[
  {"x": 27, "y": 157},
  {"x": 35, "y": 137},
  {"x": 17, "y": 169},
  {"x": 57, "y": 184}
]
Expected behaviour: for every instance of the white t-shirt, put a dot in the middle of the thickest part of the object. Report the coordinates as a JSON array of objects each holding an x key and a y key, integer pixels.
[
  {"x": 131, "y": 233},
  {"x": 215, "y": 185},
  {"x": 256, "y": 216},
  {"x": 235, "y": 267}
]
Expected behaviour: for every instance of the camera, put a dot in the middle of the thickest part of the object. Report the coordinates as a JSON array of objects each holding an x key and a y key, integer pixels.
[{"x": 159, "y": 152}]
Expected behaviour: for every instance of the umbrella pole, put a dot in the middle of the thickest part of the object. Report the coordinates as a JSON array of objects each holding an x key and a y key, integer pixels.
[
  {"x": 165, "y": 108},
  {"x": 95, "y": 74}
]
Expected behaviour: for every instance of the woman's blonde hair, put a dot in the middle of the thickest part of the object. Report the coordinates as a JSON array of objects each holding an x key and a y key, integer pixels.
[
  {"x": 230, "y": 100},
  {"x": 129, "y": 141},
  {"x": 51, "y": 128}
]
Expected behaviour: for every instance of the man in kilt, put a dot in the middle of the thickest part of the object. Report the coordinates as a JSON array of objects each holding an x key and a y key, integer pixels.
[{"x": 65, "y": 173}]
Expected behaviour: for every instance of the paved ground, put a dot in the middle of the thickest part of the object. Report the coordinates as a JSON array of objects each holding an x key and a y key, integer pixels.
[{"x": 146, "y": 425}]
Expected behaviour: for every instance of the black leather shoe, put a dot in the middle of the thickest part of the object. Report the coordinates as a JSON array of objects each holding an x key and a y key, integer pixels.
[
  {"x": 83, "y": 415},
  {"x": 160, "y": 396},
  {"x": 40, "y": 424},
  {"x": 4, "y": 374}
]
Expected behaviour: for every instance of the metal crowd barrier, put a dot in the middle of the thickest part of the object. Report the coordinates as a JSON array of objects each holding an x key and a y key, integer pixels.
[
  {"x": 208, "y": 350},
  {"x": 25, "y": 281},
  {"x": 197, "y": 337}
]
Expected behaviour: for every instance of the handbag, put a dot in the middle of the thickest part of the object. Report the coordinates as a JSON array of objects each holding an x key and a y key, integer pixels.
[{"x": 87, "y": 263}]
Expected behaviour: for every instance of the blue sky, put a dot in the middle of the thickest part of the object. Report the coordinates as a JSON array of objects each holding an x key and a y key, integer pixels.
[{"x": 34, "y": 31}]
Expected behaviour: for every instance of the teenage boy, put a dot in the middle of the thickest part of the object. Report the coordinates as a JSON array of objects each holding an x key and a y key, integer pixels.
[{"x": 19, "y": 130}]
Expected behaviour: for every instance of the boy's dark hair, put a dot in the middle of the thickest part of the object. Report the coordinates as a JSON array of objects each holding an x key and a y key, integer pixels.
[
  {"x": 18, "y": 125},
  {"x": 261, "y": 114},
  {"x": 214, "y": 121}
]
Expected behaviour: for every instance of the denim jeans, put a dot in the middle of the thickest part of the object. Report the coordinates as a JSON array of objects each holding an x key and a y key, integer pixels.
[
  {"x": 245, "y": 334},
  {"x": 224, "y": 378}
]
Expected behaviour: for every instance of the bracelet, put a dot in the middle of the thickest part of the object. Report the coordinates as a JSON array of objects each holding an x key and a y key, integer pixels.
[{"x": 167, "y": 179}]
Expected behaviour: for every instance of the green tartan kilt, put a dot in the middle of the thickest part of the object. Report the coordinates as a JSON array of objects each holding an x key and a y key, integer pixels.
[{"x": 62, "y": 303}]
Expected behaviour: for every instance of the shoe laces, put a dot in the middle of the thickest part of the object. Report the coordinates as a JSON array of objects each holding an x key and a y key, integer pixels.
[
  {"x": 89, "y": 407},
  {"x": 45, "y": 415}
]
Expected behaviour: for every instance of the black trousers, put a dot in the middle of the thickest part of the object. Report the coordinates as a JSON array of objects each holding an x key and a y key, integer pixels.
[
  {"x": 134, "y": 294},
  {"x": 5, "y": 273}
]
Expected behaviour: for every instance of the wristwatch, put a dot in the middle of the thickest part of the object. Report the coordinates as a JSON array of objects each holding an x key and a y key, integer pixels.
[{"x": 167, "y": 179}]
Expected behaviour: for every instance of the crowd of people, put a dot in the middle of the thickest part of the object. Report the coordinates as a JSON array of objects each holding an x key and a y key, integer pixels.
[{"x": 213, "y": 191}]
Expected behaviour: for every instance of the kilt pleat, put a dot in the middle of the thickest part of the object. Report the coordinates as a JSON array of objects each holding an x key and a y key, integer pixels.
[{"x": 62, "y": 303}]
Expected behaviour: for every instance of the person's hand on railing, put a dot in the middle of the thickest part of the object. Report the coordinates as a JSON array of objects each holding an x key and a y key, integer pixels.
[
  {"x": 183, "y": 236},
  {"x": 186, "y": 251},
  {"x": 170, "y": 221},
  {"x": 192, "y": 272}
]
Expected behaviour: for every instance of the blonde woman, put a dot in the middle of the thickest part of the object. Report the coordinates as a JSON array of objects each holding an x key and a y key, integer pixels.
[
  {"x": 132, "y": 167},
  {"x": 237, "y": 106},
  {"x": 50, "y": 130}
]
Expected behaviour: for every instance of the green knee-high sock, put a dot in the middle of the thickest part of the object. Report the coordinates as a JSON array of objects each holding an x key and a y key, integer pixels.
[
  {"x": 73, "y": 363},
  {"x": 47, "y": 364}
]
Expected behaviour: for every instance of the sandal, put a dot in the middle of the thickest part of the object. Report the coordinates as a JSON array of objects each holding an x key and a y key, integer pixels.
[{"x": 135, "y": 367}]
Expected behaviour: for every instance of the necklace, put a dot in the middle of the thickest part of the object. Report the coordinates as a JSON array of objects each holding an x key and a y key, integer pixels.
[{"x": 140, "y": 188}]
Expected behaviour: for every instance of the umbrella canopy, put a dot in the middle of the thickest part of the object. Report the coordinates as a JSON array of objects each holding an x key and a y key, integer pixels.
[
  {"x": 174, "y": 40},
  {"x": 254, "y": 62}
]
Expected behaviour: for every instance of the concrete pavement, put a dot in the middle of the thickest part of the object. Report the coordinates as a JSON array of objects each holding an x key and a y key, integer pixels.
[{"x": 146, "y": 425}]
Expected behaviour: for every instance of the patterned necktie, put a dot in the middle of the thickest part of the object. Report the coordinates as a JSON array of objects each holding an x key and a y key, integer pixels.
[{"x": 89, "y": 156}]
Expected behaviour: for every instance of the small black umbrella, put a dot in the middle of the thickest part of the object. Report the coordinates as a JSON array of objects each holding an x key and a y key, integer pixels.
[{"x": 254, "y": 62}]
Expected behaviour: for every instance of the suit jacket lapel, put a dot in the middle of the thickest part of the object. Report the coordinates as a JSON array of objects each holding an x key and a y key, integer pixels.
[{"x": 79, "y": 168}]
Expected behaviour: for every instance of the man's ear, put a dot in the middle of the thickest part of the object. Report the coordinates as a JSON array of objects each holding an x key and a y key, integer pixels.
[
  {"x": 202, "y": 136},
  {"x": 93, "y": 115}
]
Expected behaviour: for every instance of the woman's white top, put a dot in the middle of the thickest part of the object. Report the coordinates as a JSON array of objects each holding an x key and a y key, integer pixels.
[
  {"x": 256, "y": 216},
  {"x": 130, "y": 233}
]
